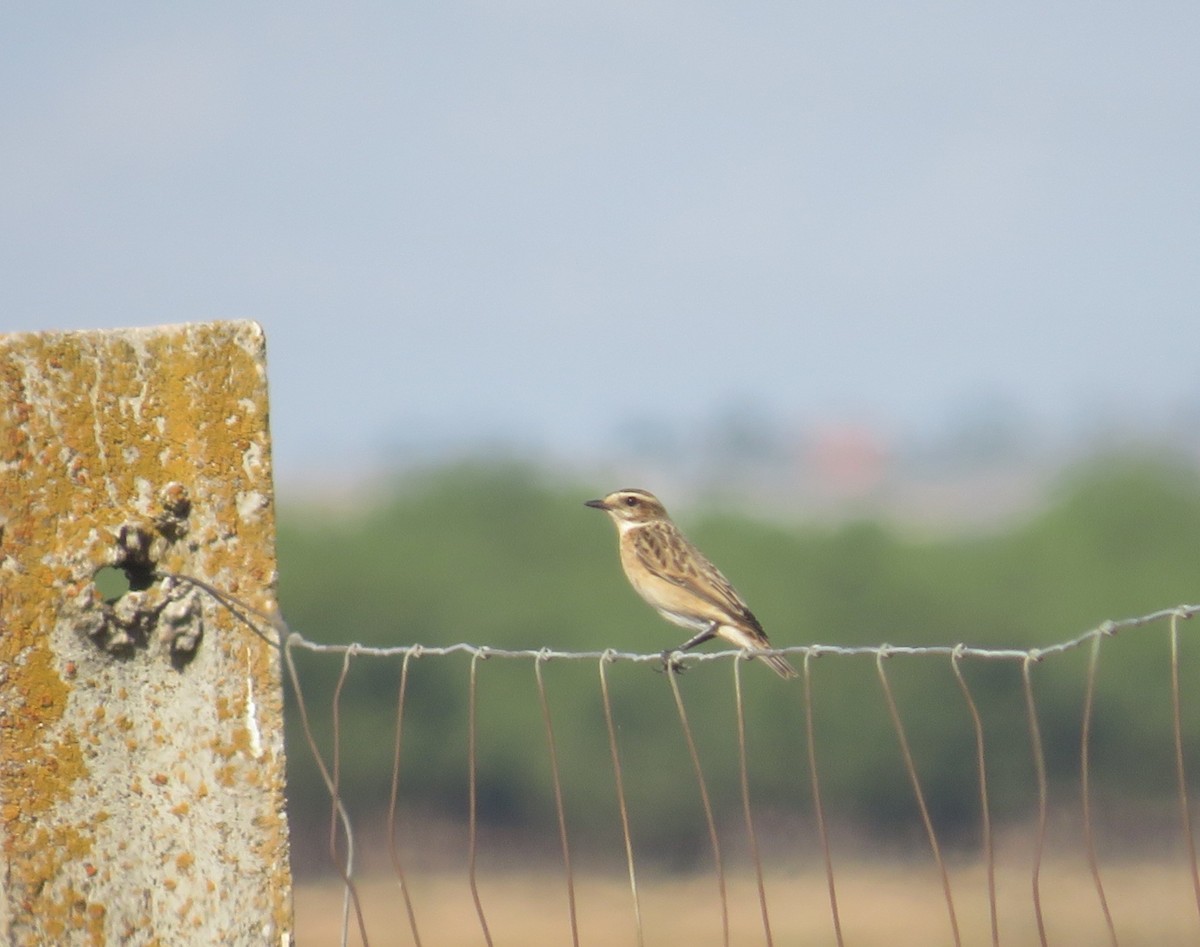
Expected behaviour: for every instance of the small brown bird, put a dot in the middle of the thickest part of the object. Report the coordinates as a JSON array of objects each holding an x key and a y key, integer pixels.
[{"x": 675, "y": 578}]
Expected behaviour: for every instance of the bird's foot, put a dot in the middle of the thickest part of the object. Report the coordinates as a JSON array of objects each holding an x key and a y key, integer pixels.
[{"x": 671, "y": 663}]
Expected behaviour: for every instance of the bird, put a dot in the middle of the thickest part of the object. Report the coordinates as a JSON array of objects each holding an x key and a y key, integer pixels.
[{"x": 676, "y": 580}]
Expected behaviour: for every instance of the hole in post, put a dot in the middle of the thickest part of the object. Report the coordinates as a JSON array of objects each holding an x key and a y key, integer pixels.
[
  {"x": 112, "y": 583},
  {"x": 132, "y": 607},
  {"x": 139, "y": 576}
]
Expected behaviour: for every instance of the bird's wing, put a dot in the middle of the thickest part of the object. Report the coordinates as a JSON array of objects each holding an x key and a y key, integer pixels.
[{"x": 667, "y": 554}]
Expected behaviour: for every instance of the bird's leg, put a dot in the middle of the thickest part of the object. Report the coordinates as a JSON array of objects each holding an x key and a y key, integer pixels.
[
  {"x": 707, "y": 633},
  {"x": 669, "y": 661}
]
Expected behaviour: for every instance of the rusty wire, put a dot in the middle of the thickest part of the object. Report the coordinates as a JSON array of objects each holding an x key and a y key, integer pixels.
[
  {"x": 622, "y": 806},
  {"x": 1085, "y": 801},
  {"x": 559, "y": 809},
  {"x": 911, "y": 768},
  {"x": 393, "y": 844},
  {"x": 345, "y": 869},
  {"x": 985, "y": 816},
  {"x": 473, "y": 803},
  {"x": 1039, "y": 767},
  {"x": 1180, "y": 769},
  {"x": 709, "y": 821},
  {"x": 747, "y": 814},
  {"x": 818, "y": 808}
]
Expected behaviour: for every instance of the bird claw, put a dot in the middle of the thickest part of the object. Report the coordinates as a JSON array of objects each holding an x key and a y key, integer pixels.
[{"x": 671, "y": 664}]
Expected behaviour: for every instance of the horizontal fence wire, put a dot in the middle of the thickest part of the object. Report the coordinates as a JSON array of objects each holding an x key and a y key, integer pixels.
[
  {"x": 1106, "y": 629},
  {"x": 273, "y": 627}
]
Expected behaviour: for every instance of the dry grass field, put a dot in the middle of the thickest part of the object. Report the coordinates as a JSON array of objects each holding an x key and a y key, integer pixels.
[{"x": 881, "y": 904}]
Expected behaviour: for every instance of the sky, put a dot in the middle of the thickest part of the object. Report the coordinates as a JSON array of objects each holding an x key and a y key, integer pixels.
[{"x": 550, "y": 224}]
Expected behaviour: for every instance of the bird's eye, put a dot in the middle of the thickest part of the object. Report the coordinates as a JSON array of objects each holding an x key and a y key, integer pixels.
[{"x": 632, "y": 501}]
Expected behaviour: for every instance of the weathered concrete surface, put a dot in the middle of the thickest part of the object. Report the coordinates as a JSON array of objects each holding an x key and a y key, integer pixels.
[{"x": 141, "y": 755}]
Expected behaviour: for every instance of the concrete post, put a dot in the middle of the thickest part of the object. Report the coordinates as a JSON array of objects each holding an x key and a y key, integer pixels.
[{"x": 141, "y": 737}]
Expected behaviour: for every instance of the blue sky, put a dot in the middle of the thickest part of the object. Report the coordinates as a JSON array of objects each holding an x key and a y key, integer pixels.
[{"x": 544, "y": 223}]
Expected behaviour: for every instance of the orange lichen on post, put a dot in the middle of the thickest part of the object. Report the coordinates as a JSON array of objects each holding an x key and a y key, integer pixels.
[{"x": 140, "y": 729}]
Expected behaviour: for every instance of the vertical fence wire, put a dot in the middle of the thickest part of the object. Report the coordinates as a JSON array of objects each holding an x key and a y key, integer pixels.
[
  {"x": 1185, "y": 809},
  {"x": 1085, "y": 794},
  {"x": 985, "y": 816},
  {"x": 621, "y": 804},
  {"x": 1039, "y": 765},
  {"x": 393, "y": 844},
  {"x": 558, "y": 799},
  {"x": 818, "y": 808},
  {"x": 335, "y": 796},
  {"x": 672, "y": 674},
  {"x": 473, "y": 803},
  {"x": 911, "y": 767},
  {"x": 744, "y": 779},
  {"x": 345, "y": 870}
]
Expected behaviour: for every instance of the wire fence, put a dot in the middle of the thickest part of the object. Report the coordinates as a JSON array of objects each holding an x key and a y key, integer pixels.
[{"x": 341, "y": 838}]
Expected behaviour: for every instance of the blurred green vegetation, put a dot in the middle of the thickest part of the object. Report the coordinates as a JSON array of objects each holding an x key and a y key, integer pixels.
[{"x": 504, "y": 556}]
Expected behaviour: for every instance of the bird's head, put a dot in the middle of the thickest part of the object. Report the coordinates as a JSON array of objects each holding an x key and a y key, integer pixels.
[{"x": 630, "y": 506}]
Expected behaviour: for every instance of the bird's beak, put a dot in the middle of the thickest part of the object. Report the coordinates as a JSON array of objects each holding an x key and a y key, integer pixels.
[{"x": 597, "y": 504}]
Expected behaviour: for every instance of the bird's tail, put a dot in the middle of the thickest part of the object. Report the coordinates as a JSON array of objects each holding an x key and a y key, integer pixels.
[
  {"x": 780, "y": 664},
  {"x": 753, "y": 639}
]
